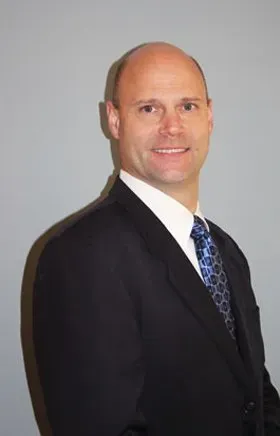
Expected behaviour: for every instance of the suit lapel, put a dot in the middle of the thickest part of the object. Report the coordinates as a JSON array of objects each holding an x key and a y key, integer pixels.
[
  {"x": 185, "y": 280},
  {"x": 238, "y": 284}
]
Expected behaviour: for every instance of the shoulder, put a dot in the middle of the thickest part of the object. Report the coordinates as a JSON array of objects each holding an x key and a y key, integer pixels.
[{"x": 96, "y": 231}]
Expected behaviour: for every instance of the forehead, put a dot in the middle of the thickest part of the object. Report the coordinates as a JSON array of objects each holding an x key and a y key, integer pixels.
[{"x": 160, "y": 76}]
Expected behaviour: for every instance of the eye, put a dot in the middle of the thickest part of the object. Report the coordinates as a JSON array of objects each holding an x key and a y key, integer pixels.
[
  {"x": 188, "y": 106},
  {"x": 148, "y": 108}
]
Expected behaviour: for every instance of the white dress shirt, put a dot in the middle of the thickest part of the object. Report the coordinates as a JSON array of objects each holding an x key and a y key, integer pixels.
[{"x": 174, "y": 216}]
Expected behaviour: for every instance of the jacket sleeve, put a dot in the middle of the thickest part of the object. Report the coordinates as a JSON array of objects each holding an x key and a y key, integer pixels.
[{"x": 87, "y": 343}]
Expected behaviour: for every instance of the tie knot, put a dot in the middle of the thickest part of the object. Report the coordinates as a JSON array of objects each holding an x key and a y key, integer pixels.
[{"x": 198, "y": 230}]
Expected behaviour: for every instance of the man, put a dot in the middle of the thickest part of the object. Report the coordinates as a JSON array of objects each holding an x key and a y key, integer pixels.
[{"x": 145, "y": 322}]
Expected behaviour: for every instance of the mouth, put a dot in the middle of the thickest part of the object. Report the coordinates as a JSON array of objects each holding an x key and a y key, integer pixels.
[{"x": 171, "y": 150}]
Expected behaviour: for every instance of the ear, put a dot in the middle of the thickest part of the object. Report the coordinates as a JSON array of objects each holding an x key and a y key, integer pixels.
[
  {"x": 113, "y": 119},
  {"x": 210, "y": 116}
]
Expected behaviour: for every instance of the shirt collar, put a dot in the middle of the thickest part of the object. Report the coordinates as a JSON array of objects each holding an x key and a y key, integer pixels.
[{"x": 176, "y": 217}]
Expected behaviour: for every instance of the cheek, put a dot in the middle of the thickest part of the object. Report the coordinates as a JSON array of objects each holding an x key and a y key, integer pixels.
[
  {"x": 138, "y": 134},
  {"x": 200, "y": 131}
]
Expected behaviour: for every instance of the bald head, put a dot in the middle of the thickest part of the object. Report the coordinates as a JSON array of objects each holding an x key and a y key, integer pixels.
[{"x": 152, "y": 52}]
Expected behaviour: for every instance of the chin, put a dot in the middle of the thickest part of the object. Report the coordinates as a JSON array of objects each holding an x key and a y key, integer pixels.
[{"x": 170, "y": 178}]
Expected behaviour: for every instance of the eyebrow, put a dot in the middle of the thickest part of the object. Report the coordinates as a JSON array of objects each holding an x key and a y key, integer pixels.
[
  {"x": 191, "y": 99},
  {"x": 145, "y": 102},
  {"x": 152, "y": 101}
]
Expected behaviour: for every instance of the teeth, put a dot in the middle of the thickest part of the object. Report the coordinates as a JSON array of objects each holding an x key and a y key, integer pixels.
[{"x": 170, "y": 150}]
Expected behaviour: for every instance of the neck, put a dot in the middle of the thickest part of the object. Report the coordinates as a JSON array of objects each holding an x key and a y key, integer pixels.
[
  {"x": 185, "y": 192},
  {"x": 187, "y": 196}
]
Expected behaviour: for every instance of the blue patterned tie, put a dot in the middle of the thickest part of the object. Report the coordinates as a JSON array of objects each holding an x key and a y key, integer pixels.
[{"x": 213, "y": 272}]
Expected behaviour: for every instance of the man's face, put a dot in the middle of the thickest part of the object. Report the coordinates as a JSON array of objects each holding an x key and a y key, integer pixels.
[{"x": 163, "y": 122}]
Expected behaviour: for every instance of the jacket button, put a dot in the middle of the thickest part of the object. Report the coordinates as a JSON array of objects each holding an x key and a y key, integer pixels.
[{"x": 250, "y": 407}]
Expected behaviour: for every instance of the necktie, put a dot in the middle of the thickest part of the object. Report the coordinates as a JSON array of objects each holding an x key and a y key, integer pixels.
[{"x": 213, "y": 273}]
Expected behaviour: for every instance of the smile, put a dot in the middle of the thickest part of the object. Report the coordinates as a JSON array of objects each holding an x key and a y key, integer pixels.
[{"x": 170, "y": 150}]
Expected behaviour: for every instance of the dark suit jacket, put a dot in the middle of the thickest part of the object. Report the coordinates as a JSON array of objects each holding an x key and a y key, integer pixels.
[{"x": 129, "y": 342}]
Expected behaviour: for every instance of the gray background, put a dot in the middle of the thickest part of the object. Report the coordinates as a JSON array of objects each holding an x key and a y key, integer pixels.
[{"x": 55, "y": 56}]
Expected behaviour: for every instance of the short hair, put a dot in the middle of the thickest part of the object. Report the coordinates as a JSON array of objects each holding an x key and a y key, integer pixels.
[
  {"x": 122, "y": 64},
  {"x": 202, "y": 75}
]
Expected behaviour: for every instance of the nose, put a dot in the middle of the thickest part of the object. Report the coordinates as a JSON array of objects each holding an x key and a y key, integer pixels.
[{"x": 171, "y": 124}]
